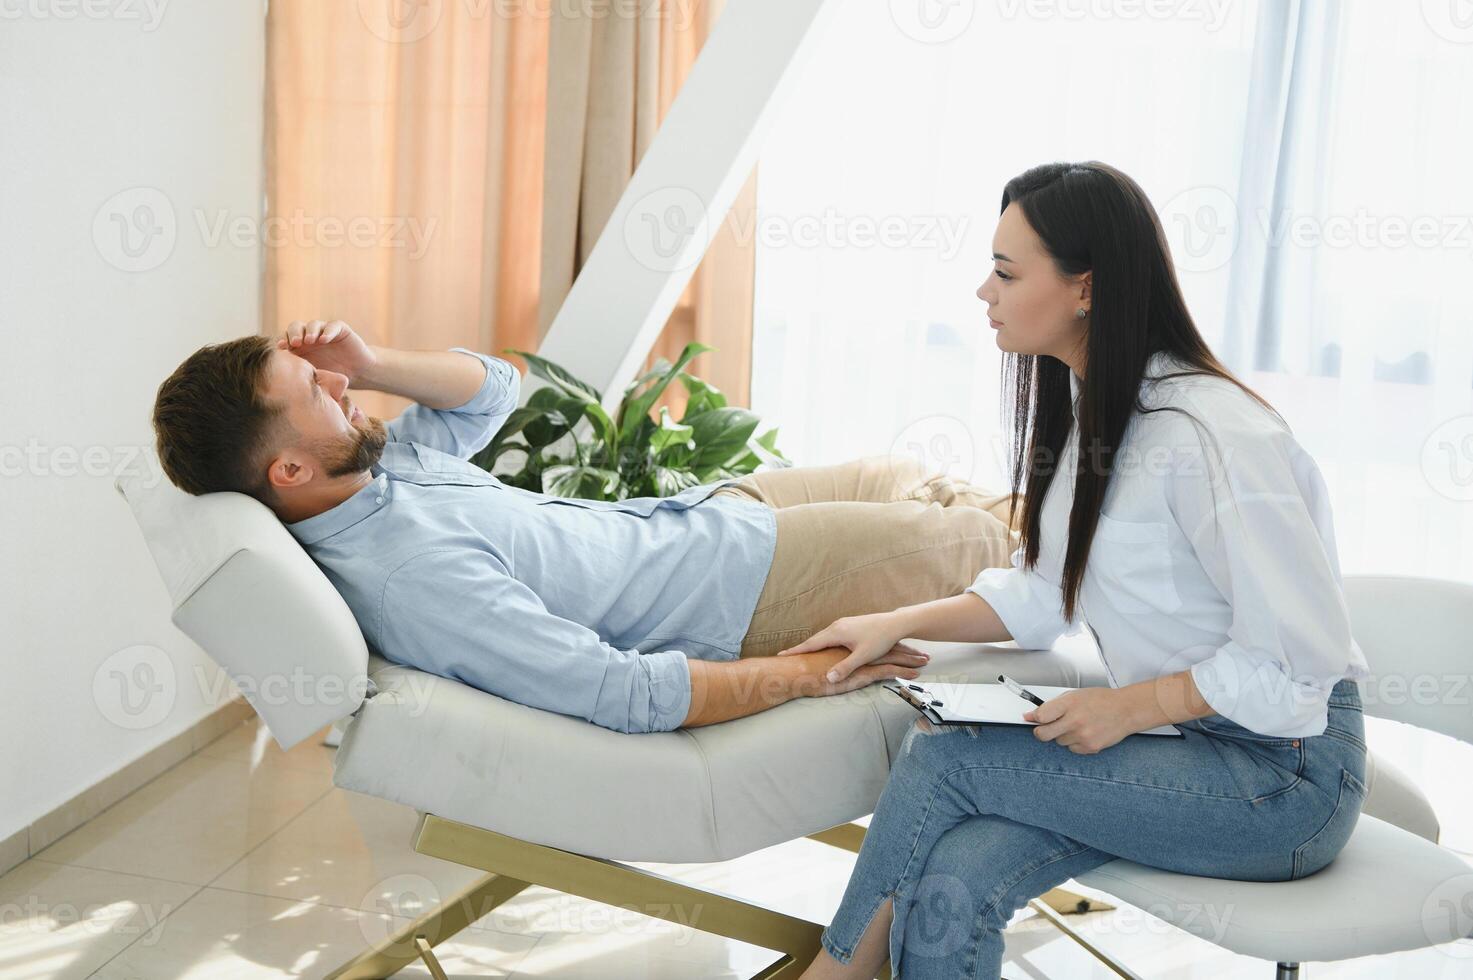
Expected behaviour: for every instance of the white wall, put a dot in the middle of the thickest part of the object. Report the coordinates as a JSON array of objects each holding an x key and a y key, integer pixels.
[{"x": 159, "y": 101}]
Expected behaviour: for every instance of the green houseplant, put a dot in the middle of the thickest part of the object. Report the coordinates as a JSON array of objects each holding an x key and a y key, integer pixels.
[{"x": 543, "y": 447}]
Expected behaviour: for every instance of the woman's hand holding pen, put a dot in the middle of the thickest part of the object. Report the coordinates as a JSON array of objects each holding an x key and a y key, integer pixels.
[
  {"x": 1087, "y": 720},
  {"x": 867, "y": 638}
]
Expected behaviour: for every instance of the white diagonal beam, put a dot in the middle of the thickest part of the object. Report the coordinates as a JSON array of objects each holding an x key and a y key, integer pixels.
[{"x": 681, "y": 191}]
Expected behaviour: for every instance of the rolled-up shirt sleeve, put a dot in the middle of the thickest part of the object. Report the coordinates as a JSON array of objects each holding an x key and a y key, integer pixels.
[
  {"x": 457, "y": 612},
  {"x": 1029, "y": 605},
  {"x": 1256, "y": 512},
  {"x": 466, "y": 429}
]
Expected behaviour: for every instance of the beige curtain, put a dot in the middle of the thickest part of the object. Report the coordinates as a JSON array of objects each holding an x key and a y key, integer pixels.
[
  {"x": 611, "y": 80},
  {"x": 406, "y": 160},
  {"x": 404, "y": 173}
]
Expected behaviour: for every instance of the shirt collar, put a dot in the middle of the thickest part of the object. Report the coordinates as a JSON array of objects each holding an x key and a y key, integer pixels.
[{"x": 365, "y": 501}]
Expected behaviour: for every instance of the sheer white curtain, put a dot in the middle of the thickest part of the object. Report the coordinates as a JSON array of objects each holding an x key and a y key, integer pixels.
[
  {"x": 1270, "y": 136},
  {"x": 868, "y": 343},
  {"x": 1348, "y": 284}
]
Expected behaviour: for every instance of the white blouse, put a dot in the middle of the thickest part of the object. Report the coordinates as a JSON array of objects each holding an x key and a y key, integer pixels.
[{"x": 1216, "y": 555}]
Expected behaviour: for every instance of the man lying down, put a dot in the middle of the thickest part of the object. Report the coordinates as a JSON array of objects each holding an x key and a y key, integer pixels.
[{"x": 640, "y": 615}]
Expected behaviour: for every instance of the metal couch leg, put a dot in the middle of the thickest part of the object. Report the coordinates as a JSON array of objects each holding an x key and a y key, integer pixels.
[{"x": 432, "y": 962}]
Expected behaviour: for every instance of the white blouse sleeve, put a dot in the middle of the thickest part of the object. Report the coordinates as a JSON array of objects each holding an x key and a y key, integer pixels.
[
  {"x": 1256, "y": 512},
  {"x": 1029, "y": 605}
]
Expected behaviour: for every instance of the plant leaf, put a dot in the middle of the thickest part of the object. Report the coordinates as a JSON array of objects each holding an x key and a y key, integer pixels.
[
  {"x": 721, "y": 436},
  {"x": 514, "y": 424},
  {"x": 669, "y": 433},
  {"x": 572, "y": 480},
  {"x": 558, "y": 376},
  {"x": 660, "y": 367},
  {"x": 603, "y": 426},
  {"x": 703, "y": 397},
  {"x": 667, "y": 481},
  {"x": 635, "y": 410}
]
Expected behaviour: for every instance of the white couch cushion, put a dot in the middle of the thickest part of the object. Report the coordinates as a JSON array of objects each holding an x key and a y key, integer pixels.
[
  {"x": 245, "y": 591},
  {"x": 700, "y": 794}
]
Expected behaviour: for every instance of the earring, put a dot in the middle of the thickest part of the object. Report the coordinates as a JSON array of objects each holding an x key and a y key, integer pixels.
[{"x": 1081, "y": 313}]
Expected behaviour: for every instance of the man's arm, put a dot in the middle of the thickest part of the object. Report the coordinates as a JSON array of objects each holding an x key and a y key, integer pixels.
[
  {"x": 723, "y": 690},
  {"x": 457, "y": 612},
  {"x": 461, "y": 398},
  {"x": 435, "y": 379},
  {"x": 438, "y": 379}
]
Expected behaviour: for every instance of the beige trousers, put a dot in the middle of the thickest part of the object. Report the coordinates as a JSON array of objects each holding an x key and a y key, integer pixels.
[{"x": 866, "y": 537}]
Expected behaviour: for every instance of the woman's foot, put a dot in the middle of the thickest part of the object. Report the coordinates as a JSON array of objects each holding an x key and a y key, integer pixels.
[{"x": 871, "y": 953}]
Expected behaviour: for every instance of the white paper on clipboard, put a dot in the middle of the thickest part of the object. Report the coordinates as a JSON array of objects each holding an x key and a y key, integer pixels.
[{"x": 972, "y": 704}]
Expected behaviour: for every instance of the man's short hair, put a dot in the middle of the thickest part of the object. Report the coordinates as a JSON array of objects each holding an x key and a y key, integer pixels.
[{"x": 214, "y": 428}]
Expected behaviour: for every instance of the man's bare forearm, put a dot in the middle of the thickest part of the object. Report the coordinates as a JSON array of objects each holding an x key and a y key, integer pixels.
[
  {"x": 723, "y": 690},
  {"x": 438, "y": 379},
  {"x": 965, "y": 618}
]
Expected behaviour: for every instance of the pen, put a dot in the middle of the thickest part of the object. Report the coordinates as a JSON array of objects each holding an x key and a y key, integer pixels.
[{"x": 1019, "y": 689}]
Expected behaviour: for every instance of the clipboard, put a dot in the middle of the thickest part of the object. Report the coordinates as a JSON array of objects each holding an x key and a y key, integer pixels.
[{"x": 984, "y": 704}]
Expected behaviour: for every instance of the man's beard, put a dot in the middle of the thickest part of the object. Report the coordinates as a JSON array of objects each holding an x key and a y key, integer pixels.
[{"x": 356, "y": 453}]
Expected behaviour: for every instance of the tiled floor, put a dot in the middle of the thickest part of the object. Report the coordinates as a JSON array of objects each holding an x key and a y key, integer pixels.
[{"x": 245, "y": 861}]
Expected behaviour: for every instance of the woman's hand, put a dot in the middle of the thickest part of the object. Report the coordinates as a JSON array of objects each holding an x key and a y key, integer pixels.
[
  {"x": 1086, "y": 720},
  {"x": 329, "y": 344},
  {"x": 867, "y": 638}
]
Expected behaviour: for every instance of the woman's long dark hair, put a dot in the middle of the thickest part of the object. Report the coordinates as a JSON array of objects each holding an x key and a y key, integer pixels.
[{"x": 1092, "y": 217}]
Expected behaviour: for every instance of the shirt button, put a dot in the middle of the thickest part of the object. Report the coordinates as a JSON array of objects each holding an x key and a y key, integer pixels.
[{"x": 378, "y": 500}]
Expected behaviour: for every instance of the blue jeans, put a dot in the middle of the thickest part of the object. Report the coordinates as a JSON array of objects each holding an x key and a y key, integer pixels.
[{"x": 975, "y": 821}]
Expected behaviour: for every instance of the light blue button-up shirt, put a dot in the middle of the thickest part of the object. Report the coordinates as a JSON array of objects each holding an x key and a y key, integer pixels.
[{"x": 588, "y": 608}]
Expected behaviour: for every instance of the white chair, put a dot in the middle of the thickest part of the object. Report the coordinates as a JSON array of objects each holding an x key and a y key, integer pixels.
[{"x": 1392, "y": 888}]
